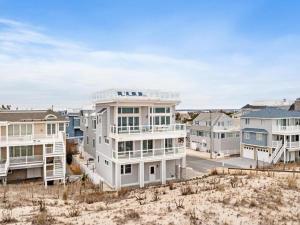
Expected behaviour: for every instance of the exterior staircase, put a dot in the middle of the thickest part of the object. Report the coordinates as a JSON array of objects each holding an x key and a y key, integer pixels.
[
  {"x": 275, "y": 157},
  {"x": 58, "y": 147}
]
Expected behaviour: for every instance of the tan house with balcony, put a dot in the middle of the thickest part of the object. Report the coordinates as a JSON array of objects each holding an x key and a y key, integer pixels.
[
  {"x": 32, "y": 145},
  {"x": 137, "y": 141}
]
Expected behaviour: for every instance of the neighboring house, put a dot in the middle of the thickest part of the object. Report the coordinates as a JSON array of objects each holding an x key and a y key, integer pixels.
[
  {"x": 271, "y": 135},
  {"x": 32, "y": 145},
  {"x": 223, "y": 128},
  {"x": 259, "y": 105},
  {"x": 73, "y": 128},
  {"x": 88, "y": 127},
  {"x": 137, "y": 140}
]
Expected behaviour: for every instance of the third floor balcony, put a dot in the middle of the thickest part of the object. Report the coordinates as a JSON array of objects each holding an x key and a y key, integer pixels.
[{"x": 149, "y": 130}]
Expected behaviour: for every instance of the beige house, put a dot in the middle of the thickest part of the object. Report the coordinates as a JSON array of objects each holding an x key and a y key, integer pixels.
[{"x": 32, "y": 145}]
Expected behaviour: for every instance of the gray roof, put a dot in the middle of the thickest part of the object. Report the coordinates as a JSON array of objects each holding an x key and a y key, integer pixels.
[
  {"x": 255, "y": 130},
  {"x": 30, "y": 115},
  {"x": 206, "y": 116},
  {"x": 272, "y": 113}
]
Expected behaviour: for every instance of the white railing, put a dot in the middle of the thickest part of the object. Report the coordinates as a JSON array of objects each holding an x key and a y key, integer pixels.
[
  {"x": 295, "y": 144},
  {"x": 277, "y": 156},
  {"x": 286, "y": 128},
  {"x": 28, "y": 138},
  {"x": 147, "y": 129},
  {"x": 3, "y": 166},
  {"x": 26, "y": 159},
  {"x": 114, "y": 94},
  {"x": 54, "y": 173},
  {"x": 276, "y": 144},
  {"x": 139, "y": 154}
]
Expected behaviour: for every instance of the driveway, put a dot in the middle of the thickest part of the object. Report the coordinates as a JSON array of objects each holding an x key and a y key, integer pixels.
[
  {"x": 198, "y": 163},
  {"x": 203, "y": 165}
]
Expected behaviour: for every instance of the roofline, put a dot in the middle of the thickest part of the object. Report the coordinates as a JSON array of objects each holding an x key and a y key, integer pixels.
[{"x": 245, "y": 117}]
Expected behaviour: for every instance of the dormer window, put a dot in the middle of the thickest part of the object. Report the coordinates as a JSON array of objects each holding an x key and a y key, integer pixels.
[{"x": 50, "y": 117}]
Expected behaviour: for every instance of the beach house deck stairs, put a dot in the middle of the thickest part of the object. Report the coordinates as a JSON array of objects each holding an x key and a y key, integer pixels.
[
  {"x": 276, "y": 155},
  {"x": 58, "y": 147}
]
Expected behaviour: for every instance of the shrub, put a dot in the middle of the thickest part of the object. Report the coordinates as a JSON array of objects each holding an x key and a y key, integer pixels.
[
  {"x": 74, "y": 211},
  {"x": 292, "y": 182},
  {"x": 186, "y": 190},
  {"x": 132, "y": 215},
  {"x": 7, "y": 217},
  {"x": 42, "y": 218}
]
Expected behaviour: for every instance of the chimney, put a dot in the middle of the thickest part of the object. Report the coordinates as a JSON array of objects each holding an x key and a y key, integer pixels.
[{"x": 297, "y": 104}]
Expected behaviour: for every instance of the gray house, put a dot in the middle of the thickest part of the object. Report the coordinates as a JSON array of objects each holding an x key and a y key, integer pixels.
[
  {"x": 134, "y": 137},
  {"x": 271, "y": 135},
  {"x": 88, "y": 126},
  {"x": 224, "y": 129}
]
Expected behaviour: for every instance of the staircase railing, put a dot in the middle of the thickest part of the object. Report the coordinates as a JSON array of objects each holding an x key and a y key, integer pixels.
[{"x": 279, "y": 154}]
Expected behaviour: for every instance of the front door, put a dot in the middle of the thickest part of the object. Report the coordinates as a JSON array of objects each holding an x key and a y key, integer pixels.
[{"x": 152, "y": 174}]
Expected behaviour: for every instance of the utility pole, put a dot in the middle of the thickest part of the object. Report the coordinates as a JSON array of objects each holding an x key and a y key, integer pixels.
[{"x": 211, "y": 135}]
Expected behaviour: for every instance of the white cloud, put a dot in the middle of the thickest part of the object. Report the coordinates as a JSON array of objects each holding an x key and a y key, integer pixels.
[{"x": 38, "y": 70}]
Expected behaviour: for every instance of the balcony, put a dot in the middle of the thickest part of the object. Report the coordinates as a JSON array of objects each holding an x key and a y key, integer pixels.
[
  {"x": 130, "y": 131},
  {"x": 293, "y": 145},
  {"x": 150, "y": 153},
  {"x": 29, "y": 139},
  {"x": 25, "y": 160},
  {"x": 286, "y": 129},
  {"x": 52, "y": 174}
]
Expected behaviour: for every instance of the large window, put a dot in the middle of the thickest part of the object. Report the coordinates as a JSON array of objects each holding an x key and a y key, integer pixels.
[
  {"x": 247, "y": 136},
  {"x": 160, "y": 120},
  {"x": 126, "y": 169},
  {"x": 20, "y": 151},
  {"x": 132, "y": 121},
  {"x": 20, "y": 129},
  {"x": 128, "y": 110},
  {"x": 125, "y": 146},
  {"x": 158, "y": 110}
]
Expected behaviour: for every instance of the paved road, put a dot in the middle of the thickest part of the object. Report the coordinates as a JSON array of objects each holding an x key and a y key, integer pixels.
[{"x": 202, "y": 165}]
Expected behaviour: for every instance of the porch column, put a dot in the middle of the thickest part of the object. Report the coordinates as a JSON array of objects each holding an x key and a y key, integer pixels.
[
  {"x": 183, "y": 162},
  {"x": 163, "y": 171},
  {"x": 117, "y": 176},
  {"x": 284, "y": 150},
  {"x": 142, "y": 171},
  {"x": 45, "y": 165},
  {"x": 141, "y": 148}
]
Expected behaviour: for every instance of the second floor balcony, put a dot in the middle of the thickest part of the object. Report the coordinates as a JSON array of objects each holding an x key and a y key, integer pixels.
[
  {"x": 149, "y": 153},
  {"x": 149, "y": 129}
]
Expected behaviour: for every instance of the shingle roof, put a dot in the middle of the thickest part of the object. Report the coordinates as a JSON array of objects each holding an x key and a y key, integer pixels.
[
  {"x": 30, "y": 115},
  {"x": 271, "y": 113},
  {"x": 255, "y": 130},
  {"x": 206, "y": 116}
]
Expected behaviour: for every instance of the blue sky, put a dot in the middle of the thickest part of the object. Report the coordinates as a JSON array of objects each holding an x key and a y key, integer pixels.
[{"x": 215, "y": 53}]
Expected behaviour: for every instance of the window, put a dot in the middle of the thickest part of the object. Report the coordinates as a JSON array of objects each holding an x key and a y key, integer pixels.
[
  {"x": 247, "y": 121},
  {"x": 99, "y": 140},
  {"x": 98, "y": 159},
  {"x": 106, "y": 162},
  {"x": 106, "y": 140},
  {"x": 61, "y": 127},
  {"x": 125, "y": 146},
  {"x": 94, "y": 143},
  {"x": 21, "y": 151},
  {"x": 94, "y": 124},
  {"x": 51, "y": 128},
  {"x": 259, "y": 137},
  {"x": 147, "y": 145},
  {"x": 19, "y": 129},
  {"x": 128, "y": 110},
  {"x": 247, "y": 136},
  {"x": 126, "y": 169},
  {"x": 87, "y": 139},
  {"x": 160, "y": 110}
]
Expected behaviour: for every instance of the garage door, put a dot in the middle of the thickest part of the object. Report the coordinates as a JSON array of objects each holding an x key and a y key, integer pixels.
[
  {"x": 34, "y": 173},
  {"x": 248, "y": 153}
]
